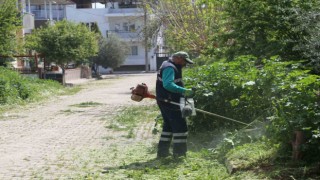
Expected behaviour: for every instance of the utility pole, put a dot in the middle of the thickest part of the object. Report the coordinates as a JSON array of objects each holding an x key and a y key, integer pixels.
[{"x": 145, "y": 39}]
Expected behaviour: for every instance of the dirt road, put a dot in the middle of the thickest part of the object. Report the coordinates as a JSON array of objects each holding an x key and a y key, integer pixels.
[{"x": 38, "y": 141}]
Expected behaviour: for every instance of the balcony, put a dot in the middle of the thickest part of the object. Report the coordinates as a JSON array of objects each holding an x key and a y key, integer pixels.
[
  {"x": 125, "y": 12},
  {"x": 44, "y": 14},
  {"x": 126, "y": 35}
]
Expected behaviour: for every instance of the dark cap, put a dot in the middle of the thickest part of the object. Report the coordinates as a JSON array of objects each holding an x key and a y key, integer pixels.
[{"x": 183, "y": 55}]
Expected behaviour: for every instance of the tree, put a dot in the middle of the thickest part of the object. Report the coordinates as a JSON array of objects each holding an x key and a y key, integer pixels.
[
  {"x": 112, "y": 52},
  {"x": 308, "y": 45},
  {"x": 188, "y": 26},
  {"x": 10, "y": 23},
  {"x": 265, "y": 28},
  {"x": 64, "y": 42}
]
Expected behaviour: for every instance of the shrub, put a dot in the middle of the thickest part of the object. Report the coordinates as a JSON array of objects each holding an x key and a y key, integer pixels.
[
  {"x": 15, "y": 88},
  {"x": 282, "y": 94}
]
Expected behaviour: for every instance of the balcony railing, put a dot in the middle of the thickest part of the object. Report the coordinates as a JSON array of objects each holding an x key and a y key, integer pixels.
[
  {"x": 42, "y": 14},
  {"x": 136, "y": 11},
  {"x": 123, "y": 34}
]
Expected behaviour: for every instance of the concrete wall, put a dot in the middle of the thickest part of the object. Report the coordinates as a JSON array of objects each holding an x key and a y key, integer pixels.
[
  {"x": 87, "y": 16},
  {"x": 72, "y": 74}
]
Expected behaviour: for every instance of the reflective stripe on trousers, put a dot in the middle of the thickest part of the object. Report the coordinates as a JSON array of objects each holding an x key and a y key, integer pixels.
[
  {"x": 166, "y": 136},
  {"x": 180, "y": 137}
]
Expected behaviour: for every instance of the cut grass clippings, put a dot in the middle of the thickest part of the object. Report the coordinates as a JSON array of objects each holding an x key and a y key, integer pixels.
[
  {"x": 249, "y": 156},
  {"x": 130, "y": 117},
  {"x": 87, "y": 104},
  {"x": 138, "y": 162}
]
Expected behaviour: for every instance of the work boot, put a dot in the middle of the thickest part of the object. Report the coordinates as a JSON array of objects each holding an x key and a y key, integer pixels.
[
  {"x": 162, "y": 155},
  {"x": 179, "y": 150},
  {"x": 163, "y": 149}
]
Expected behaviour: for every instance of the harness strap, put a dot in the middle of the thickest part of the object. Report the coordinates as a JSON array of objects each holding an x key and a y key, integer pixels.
[{"x": 176, "y": 80}]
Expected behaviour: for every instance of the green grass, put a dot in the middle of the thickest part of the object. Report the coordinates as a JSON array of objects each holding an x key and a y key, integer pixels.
[
  {"x": 251, "y": 155},
  {"x": 87, "y": 104},
  {"x": 17, "y": 91},
  {"x": 71, "y": 90},
  {"x": 249, "y": 158},
  {"x": 137, "y": 161},
  {"x": 130, "y": 117}
]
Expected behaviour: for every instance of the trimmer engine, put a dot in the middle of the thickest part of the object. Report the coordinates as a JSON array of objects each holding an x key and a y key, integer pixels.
[{"x": 140, "y": 92}]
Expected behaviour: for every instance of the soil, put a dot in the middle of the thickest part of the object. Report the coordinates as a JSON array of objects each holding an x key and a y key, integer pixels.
[{"x": 38, "y": 138}]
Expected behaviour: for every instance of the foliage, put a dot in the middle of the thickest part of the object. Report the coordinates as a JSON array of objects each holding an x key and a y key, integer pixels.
[
  {"x": 63, "y": 42},
  {"x": 227, "y": 29},
  {"x": 15, "y": 89},
  {"x": 267, "y": 28},
  {"x": 279, "y": 93},
  {"x": 188, "y": 26},
  {"x": 112, "y": 52},
  {"x": 308, "y": 46},
  {"x": 10, "y": 22}
]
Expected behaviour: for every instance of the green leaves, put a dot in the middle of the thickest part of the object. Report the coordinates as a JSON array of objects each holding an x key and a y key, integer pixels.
[
  {"x": 64, "y": 42},
  {"x": 112, "y": 52},
  {"x": 10, "y": 22},
  {"x": 281, "y": 93},
  {"x": 189, "y": 26},
  {"x": 15, "y": 89}
]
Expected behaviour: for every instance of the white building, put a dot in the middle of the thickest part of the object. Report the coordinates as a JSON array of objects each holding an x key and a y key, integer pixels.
[{"x": 124, "y": 18}]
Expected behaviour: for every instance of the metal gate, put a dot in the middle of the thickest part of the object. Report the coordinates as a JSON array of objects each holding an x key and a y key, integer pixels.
[{"x": 160, "y": 57}]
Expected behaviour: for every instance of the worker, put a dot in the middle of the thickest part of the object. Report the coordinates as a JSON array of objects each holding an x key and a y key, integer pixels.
[{"x": 169, "y": 86}]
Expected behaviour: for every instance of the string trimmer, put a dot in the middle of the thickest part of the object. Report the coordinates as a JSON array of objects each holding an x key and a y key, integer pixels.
[{"x": 186, "y": 104}]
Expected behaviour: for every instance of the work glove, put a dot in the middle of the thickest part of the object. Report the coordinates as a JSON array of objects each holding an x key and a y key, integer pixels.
[
  {"x": 194, "y": 89},
  {"x": 189, "y": 93}
]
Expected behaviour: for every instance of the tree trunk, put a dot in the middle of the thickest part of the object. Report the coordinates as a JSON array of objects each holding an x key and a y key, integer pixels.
[{"x": 298, "y": 141}]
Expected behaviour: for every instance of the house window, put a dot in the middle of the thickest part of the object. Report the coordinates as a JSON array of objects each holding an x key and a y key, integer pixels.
[
  {"x": 117, "y": 27},
  {"x": 125, "y": 26},
  {"x": 134, "y": 50},
  {"x": 132, "y": 28},
  {"x": 129, "y": 27}
]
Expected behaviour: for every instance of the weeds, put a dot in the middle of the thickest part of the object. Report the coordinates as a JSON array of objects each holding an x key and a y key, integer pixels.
[{"x": 87, "y": 104}]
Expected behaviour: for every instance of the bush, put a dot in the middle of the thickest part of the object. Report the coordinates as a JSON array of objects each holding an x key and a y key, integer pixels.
[
  {"x": 279, "y": 93},
  {"x": 15, "y": 89}
]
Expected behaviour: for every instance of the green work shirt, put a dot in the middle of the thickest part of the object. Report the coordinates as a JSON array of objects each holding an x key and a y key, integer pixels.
[{"x": 168, "y": 81}]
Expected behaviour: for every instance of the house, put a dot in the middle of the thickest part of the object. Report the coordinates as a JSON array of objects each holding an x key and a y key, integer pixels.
[
  {"x": 46, "y": 10},
  {"x": 36, "y": 13},
  {"x": 123, "y": 18}
]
